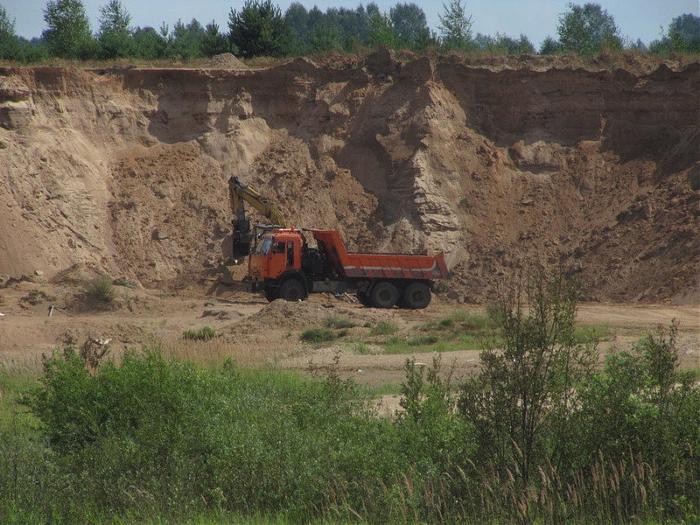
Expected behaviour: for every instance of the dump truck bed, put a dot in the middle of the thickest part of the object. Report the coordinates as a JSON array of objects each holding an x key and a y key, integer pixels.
[{"x": 379, "y": 265}]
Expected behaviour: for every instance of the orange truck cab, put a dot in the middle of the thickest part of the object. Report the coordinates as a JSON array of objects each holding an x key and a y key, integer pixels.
[{"x": 283, "y": 265}]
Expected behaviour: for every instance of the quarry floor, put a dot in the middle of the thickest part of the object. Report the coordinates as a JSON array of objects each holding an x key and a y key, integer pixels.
[{"x": 255, "y": 333}]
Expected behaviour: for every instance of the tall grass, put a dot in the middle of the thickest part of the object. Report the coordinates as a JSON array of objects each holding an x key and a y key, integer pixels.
[{"x": 152, "y": 440}]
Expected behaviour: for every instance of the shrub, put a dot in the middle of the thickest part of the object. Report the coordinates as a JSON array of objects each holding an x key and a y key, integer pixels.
[
  {"x": 642, "y": 405},
  {"x": 202, "y": 334},
  {"x": 152, "y": 437},
  {"x": 338, "y": 323},
  {"x": 320, "y": 335},
  {"x": 384, "y": 328},
  {"x": 523, "y": 394},
  {"x": 101, "y": 290}
]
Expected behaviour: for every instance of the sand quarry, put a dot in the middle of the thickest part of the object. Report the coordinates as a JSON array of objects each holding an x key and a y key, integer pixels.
[{"x": 122, "y": 171}]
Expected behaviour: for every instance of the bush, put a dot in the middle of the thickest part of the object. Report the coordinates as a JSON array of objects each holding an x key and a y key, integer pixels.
[
  {"x": 523, "y": 393},
  {"x": 151, "y": 437},
  {"x": 384, "y": 328},
  {"x": 338, "y": 323},
  {"x": 538, "y": 436},
  {"x": 320, "y": 335},
  {"x": 203, "y": 334},
  {"x": 100, "y": 290}
]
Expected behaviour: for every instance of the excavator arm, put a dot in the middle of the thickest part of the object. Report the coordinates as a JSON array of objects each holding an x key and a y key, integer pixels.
[{"x": 243, "y": 232}]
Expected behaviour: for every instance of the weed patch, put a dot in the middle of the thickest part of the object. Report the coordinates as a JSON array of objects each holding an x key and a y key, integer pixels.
[
  {"x": 321, "y": 335},
  {"x": 338, "y": 323},
  {"x": 100, "y": 290},
  {"x": 384, "y": 328},
  {"x": 205, "y": 333}
]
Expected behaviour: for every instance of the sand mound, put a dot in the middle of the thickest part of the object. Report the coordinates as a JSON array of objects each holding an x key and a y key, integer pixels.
[
  {"x": 493, "y": 161},
  {"x": 282, "y": 314},
  {"x": 226, "y": 61}
]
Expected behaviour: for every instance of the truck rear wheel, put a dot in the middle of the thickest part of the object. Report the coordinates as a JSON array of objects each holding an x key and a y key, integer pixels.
[
  {"x": 416, "y": 296},
  {"x": 292, "y": 290},
  {"x": 384, "y": 295}
]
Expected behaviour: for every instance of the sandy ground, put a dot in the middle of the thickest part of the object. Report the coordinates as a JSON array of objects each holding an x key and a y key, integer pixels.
[{"x": 255, "y": 333}]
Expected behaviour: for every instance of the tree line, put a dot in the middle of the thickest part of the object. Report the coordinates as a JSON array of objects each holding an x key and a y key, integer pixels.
[{"x": 260, "y": 28}]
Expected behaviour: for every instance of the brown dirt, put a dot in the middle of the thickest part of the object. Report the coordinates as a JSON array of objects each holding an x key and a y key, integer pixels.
[{"x": 492, "y": 160}]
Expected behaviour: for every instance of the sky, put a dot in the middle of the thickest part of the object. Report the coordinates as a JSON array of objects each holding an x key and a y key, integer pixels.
[{"x": 535, "y": 18}]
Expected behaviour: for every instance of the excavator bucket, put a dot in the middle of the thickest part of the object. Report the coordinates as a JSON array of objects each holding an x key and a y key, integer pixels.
[{"x": 242, "y": 239}]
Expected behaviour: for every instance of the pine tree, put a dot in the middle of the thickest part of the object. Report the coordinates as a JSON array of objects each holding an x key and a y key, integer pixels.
[{"x": 214, "y": 42}]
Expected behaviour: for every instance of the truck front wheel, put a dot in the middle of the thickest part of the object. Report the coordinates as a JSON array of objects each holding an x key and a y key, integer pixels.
[
  {"x": 416, "y": 296},
  {"x": 384, "y": 295},
  {"x": 292, "y": 290}
]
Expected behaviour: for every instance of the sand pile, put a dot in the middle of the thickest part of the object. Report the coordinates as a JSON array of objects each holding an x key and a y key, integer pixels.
[
  {"x": 495, "y": 162},
  {"x": 281, "y": 314},
  {"x": 226, "y": 61}
]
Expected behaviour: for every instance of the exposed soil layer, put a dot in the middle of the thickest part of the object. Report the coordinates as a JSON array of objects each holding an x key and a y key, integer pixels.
[{"x": 495, "y": 162}]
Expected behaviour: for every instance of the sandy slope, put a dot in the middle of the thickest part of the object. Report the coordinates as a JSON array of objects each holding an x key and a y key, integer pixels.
[{"x": 493, "y": 162}]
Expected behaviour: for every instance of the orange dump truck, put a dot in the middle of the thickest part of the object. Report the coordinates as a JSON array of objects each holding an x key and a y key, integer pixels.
[{"x": 284, "y": 266}]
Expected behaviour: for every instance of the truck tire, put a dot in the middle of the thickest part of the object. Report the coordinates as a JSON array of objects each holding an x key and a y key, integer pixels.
[
  {"x": 364, "y": 299},
  {"x": 384, "y": 295},
  {"x": 292, "y": 290},
  {"x": 416, "y": 296},
  {"x": 271, "y": 294}
]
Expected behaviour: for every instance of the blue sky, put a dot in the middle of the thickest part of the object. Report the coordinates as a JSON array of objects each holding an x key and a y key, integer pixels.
[{"x": 535, "y": 18}]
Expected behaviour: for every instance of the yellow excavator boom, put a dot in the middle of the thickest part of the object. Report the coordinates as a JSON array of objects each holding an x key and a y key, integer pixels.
[{"x": 243, "y": 232}]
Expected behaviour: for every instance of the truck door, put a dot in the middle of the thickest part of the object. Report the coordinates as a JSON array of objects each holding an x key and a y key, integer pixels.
[{"x": 290, "y": 255}]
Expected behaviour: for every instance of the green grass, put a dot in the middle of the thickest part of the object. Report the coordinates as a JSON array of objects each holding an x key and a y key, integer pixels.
[
  {"x": 384, "y": 328},
  {"x": 12, "y": 387},
  {"x": 205, "y": 333},
  {"x": 589, "y": 333},
  {"x": 153, "y": 441},
  {"x": 321, "y": 335},
  {"x": 100, "y": 289},
  {"x": 461, "y": 330},
  {"x": 338, "y": 323},
  {"x": 459, "y": 322},
  {"x": 361, "y": 348},
  {"x": 424, "y": 344},
  {"x": 126, "y": 283}
]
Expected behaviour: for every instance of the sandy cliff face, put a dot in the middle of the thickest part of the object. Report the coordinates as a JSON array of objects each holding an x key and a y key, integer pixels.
[{"x": 125, "y": 170}]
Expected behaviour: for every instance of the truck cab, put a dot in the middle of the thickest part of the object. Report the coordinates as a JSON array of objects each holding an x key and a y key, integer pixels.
[{"x": 277, "y": 256}]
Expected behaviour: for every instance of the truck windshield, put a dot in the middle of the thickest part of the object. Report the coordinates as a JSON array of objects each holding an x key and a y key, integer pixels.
[{"x": 264, "y": 246}]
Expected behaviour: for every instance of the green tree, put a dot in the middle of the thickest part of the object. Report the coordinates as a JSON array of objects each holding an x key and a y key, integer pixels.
[
  {"x": 326, "y": 37},
  {"x": 115, "y": 37},
  {"x": 9, "y": 44},
  {"x": 550, "y": 46},
  {"x": 503, "y": 44},
  {"x": 186, "y": 42},
  {"x": 410, "y": 25},
  {"x": 214, "y": 42},
  {"x": 297, "y": 19},
  {"x": 588, "y": 29},
  {"x": 68, "y": 30},
  {"x": 381, "y": 32},
  {"x": 683, "y": 35},
  {"x": 149, "y": 44},
  {"x": 525, "y": 393},
  {"x": 455, "y": 25},
  {"x": 259, "y": 29}
]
